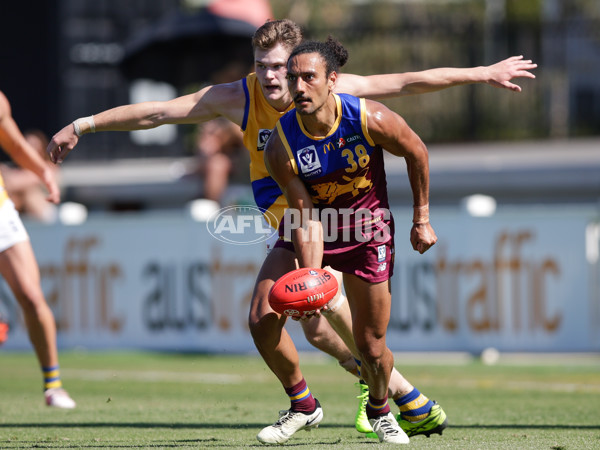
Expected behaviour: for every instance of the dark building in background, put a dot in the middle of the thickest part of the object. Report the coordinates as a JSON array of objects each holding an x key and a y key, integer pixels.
[
  {"x": 60, "y": 61},
  {"x": 29, "y": 51}
]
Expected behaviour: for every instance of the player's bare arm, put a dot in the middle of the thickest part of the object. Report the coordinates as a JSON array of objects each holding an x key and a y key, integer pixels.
[
  {"x": 226, "y": 100},
  {"x": 308, "y": 239},
  {"x": 394, "y": 85},
  {"x": 21, "y": 152},
  {"x": 390, "y": 131}
]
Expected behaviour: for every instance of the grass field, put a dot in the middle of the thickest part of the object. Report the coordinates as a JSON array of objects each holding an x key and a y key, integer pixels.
[{"x": 155, "y": 400}]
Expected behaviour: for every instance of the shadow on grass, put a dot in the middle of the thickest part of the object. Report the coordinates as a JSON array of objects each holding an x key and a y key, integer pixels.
[
  {"x": 522, "y": 427},
  {"x": 181, "y": 426},
  {"x": 199, "y": 443},
  {"x": 174, "y": 443},
  {"x": 181, "y": 443},
  {"x": 178, "y": 426}
]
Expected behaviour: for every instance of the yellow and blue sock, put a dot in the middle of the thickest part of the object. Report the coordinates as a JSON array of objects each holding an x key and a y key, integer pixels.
[
  {"x": 51, "y": 377},
  {"x": 301, "y": 397},
  {"x": 358, "y": 367},
  {"x": 414, "y": 406}
]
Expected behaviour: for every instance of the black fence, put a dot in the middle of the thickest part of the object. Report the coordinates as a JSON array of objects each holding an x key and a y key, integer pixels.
[{"x": 69, "y": 67}]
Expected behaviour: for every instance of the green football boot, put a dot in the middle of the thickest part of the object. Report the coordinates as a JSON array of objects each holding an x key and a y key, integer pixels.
[
  {"x": 435, "y": 422},
  {"x": 361, "y": 423}
]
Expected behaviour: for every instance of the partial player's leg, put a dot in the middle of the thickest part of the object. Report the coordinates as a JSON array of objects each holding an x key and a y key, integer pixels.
[
  {"x": 320, "y": 334},
  {"x": 267, "y": 327},
  {"x": 339, "y": 316},
  {"x": 20, "y": 270},
  {"x": 332, "y": 332},
  {"x": 403, "y": 393},
  {"x": 277, "y": 349},
  {"x": 370, "y": 305}
]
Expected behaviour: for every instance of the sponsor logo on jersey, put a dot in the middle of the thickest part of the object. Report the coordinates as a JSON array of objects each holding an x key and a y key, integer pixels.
[
  {"x": 382, "y": 267},
  {"x": 263, "y": 137},
  {"x": 352, "y": 138},
  {"x": 328, "y": 147},
  {"x": 340, "y": 143},
  {"x": 309, "y": 162}
]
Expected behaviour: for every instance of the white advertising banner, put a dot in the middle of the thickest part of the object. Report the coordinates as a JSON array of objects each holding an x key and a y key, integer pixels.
[
  {"x": 518, "y": 281},
  {"x": 521, "y": 280}
]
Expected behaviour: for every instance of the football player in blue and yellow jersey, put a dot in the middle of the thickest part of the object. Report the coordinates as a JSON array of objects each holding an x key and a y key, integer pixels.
[
  {"x": 255, "y": 103},
  {"x": 18, "y": 265}
]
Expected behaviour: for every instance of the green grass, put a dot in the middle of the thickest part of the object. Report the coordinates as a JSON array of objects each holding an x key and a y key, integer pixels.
[{"x": 156, "y": 400}]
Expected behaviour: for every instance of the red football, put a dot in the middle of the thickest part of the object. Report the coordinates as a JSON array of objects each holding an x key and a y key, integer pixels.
[{"x": 302, "y": 291}]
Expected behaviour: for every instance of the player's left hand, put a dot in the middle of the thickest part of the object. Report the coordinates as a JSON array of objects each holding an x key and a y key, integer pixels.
[
  {"x": 500, "y": 74},
  {"x": 422, "y": 237}
]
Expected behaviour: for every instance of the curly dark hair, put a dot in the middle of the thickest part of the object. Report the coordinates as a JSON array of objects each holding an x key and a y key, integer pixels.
[{"x": 332, "y": 51}]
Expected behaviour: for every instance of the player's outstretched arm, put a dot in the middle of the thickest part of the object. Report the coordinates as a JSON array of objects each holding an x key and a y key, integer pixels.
[
  {"x": 22, "y": 153},
  {"x": 308, "y": 239},
  {"x": 390, "y": 131},
  {"x": 394, "y": 85},
  {"x": 225, "y": 100}
]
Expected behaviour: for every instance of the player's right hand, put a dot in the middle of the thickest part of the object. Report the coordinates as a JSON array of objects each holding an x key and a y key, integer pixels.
[
  {"x": 422, "y": 237},
  {"x": 61, "y": 144}
]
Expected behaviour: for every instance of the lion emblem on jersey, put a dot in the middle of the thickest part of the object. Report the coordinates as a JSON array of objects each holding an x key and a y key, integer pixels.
[{"x": 326, "y": 193}]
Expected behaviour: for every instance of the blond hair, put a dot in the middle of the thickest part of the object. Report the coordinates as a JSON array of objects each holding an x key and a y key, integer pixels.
[{"x": 284, "y": 31}]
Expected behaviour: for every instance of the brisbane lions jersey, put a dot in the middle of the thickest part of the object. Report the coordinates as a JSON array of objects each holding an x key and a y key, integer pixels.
[{"x": 343, "y": 171}]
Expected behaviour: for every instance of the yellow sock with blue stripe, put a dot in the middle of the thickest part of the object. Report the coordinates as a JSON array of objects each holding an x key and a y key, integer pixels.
[
  {"x": 414, "y": 406},
  {"x": 51, "y": 377},
  {"x": 358, "y": 367}
]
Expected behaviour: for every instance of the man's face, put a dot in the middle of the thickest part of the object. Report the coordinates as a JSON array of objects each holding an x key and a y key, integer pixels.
[
  {"x": 307, "y": 82},
  {"x": 270, "y": 68}
]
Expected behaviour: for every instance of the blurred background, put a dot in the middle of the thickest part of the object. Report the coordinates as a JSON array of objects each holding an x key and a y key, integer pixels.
[
  {"x": 72, "y": 58},
  {"x": 507, "y": 169}
]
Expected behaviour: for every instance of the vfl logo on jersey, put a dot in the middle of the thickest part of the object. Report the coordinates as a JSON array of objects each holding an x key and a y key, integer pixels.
[
  {"x": 263, "y": 137},
  {"x": 310, "y": 165},
  {"x": 381, "y": 253}
]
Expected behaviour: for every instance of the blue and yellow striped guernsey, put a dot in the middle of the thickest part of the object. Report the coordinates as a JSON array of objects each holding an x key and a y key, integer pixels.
[{"x": 259, "y": 120}]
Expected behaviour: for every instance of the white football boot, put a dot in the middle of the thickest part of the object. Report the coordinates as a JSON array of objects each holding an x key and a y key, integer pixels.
[
  {"x": 289, "y": 422},
  {"x": 388, "y": 431},
  {"x": 59, "y": 398}
]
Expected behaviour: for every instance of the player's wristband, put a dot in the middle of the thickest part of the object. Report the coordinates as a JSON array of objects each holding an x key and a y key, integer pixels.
[
  {"x": 421, "y": 214},
  {"x": 83, "y": 125}
]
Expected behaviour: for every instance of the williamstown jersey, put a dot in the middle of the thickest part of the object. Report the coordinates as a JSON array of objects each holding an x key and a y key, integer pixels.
[
  {"x": 259, "y": 120},
  {"x": 343, "y": 173}
]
